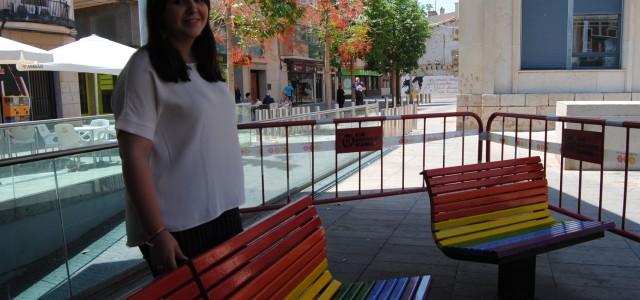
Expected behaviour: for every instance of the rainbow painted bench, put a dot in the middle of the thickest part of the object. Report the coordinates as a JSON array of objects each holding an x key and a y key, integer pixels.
[
  {"x": 498, "y": 213},
  {"x": 283, "y": 256}
]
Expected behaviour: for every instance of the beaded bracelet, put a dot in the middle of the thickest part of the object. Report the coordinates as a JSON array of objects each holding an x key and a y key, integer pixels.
[{"x": 155, "y": 235}]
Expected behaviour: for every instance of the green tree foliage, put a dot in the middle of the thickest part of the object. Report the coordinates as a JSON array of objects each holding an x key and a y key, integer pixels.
[{"x": 398, "y": 30}]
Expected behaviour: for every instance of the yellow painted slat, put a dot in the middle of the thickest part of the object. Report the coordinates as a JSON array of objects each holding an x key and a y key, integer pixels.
[
  {"x": 295, "y": 293},
  {"x": 488, "y": 216},
  {"x": 313, "y": 291},
  {"x": 488, "y": 233},
  {"x": 331, "y": 290},
  {"x": 491, "y": 224}
]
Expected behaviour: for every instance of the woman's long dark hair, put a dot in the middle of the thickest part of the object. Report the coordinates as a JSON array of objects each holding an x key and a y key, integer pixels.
[{"x": 166, "y": 59}]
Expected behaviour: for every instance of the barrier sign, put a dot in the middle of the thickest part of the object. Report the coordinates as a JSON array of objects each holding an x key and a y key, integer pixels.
[
  {"x": 582, "y": 145},
  {"x": 350, "y": 140}
]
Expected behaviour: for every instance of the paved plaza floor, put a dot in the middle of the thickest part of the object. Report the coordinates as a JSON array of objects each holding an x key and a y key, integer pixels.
[{"x": 391, "y": 236}]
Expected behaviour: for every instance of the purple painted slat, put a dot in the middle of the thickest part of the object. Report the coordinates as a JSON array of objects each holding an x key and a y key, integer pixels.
[
  {"x": 546, "y": 241},
  {"x": 411, "y": 288}
]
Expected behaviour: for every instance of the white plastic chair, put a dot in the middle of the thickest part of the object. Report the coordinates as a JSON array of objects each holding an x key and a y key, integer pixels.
[
  {"x": 68, "y": 137},
  {"x": 50, "y": 138},
  {"x": 23, "y": 135}
]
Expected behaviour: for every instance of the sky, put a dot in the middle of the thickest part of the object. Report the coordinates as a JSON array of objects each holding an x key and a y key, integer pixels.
[{"x": 449, "y": 5}]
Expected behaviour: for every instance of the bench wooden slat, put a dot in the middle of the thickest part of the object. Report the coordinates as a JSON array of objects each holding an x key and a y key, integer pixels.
[
  {"x": 423, "y": 288},
  {"x": 365, "y": 290},
  {"x": 318, "y": 285},
  {"x": 399, "y": 289},
  {"x": 306, "y": 219},
  {"x": 495, "y": 198},
  {"x": 165, "y": 286},
  {"x": 343, "y": 291},
  {"x": 231, "y": 246},
  {"x": 482, "y": 166},
  {"x": 487, "y": 216},
  {"x": 486, "y": 183},
  {"x": 388, "y": 288},
  {"x": 296, "y": 273},
  {"x": 191, "y": 291},
  {"x": 276, "y": 258},
  {"x": 331, "y": 290},
  {"x": 483, "y": 234},
  {"x": 496, "y": 190},
  {"x": 458, "y": 178},
  {"x": 472, "y": 211},
  {"x": 308, "y": 280},
  {"x": 411, "y": 288},
  {"x": 554, "y": 229},
  {"x": 480, "y": 227},
  {"x": 376, "y": 290}
]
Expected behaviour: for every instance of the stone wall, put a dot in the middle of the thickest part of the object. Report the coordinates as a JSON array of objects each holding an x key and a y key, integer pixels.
[{"x": 539, "y": 104}]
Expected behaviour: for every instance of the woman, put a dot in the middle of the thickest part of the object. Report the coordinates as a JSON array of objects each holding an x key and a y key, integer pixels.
[
  {"x": 340, "y": 96},
  {"x": 178, "y": 139}
]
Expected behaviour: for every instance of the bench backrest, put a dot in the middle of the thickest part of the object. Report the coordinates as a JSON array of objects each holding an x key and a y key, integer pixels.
[
  {"x": 281, "y": 256},
  {"x": 179, "y": 284},
  {"x": 474, "y": 202}
]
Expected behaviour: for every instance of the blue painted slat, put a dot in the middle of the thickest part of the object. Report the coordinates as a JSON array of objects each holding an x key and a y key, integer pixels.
[
  {"x": 375, "y": 291},
  {"x": 388, "y": 288},
  {"x": 559, "y": 228},
  {"x": 423, "y": 288},
  {"x": 399, "y": 289}
]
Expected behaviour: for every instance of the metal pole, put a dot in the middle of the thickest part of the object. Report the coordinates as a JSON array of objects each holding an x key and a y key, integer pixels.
[{"x": 142, "y": 20}]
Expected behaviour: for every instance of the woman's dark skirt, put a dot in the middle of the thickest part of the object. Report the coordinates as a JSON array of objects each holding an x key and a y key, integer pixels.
[{"x": 197, "y": 240}]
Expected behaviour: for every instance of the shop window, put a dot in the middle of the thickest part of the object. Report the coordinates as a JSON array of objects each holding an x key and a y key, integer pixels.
[{"x": 596, "y": 42}]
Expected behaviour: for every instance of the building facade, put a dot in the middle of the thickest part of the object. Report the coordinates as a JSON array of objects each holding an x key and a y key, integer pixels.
[
  {"x": 45, "y": 24},
  {"x": 523, "y": 56}
]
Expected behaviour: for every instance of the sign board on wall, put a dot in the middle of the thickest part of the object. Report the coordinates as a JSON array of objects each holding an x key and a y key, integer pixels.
[
  {"x": 583, "y": 145},
  {"x": 350, "y": 140}
]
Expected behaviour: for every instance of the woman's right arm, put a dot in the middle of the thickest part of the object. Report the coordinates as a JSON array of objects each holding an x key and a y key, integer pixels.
[{"x": 136, "y": 152}]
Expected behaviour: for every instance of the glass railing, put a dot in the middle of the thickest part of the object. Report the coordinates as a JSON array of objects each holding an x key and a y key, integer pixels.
[
  {"x": 62, "y": 211},
  {"x": 29, "y": 138}
]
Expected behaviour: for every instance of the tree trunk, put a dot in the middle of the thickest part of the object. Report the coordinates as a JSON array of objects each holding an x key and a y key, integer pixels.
[
  {"x": 231, "y": 77},
  {"x": 352, "y": 68},
  {"x": 396, "y": 84},
  {"x": 327, "y": 94}
]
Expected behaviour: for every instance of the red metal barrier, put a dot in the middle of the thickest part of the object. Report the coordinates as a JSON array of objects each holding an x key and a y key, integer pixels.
[
  {"x": 338, "y": 124},
  {"x": 587, "y": 139}
]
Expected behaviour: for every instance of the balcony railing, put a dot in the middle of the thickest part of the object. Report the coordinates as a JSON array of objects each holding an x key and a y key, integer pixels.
[{"x": 57, "y": 12}]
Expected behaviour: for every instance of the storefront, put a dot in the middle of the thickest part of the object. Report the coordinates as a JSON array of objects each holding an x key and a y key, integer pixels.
[
  {"x": 305, "y": 75},
  {"x": 371, "y": 79}
]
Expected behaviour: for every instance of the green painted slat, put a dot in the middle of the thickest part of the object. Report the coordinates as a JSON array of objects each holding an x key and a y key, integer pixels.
[
  {"x": 364, "y": 291},
  {"x": 344, "y": 290},
  {"x": 354, "y": 291}
]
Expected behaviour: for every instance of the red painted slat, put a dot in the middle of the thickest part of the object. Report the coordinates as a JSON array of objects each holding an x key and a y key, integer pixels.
[
  {"x": 457, "y": 178},
  {"x": 449, "y": 198},
  {"x": 190, "y": 291},
  {"x": 486, "y": 183},
  {"x": 482, "y": 166},
  {"x": 296, "y": 245},
  {"x": 289, "y": 232},
  {"x": 495, "y": 198},
  {"x": 250, "y": 234},
  {"x": 488, "y": 208},
  {"x": 165, "y": 285}
]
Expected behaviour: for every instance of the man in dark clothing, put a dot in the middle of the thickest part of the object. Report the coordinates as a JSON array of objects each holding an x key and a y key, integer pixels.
[{"x": 340, "y": 96}]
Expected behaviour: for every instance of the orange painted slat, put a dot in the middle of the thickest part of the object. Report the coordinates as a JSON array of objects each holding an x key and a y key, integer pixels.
[
  {"x": 165, "y": 285},
  {"x": 458, "y": 178},
  {"x": 486, "y": 183},
  {"x": 495, "y": 198},
  {"x": 242, "y": 276},
  {"x": 308, "y": 219},
  {"x": 239, "y": 268},
  {"x": 461, "y": 196},
  {"x": 250, "y": 234},
  {"x": 291, "y": 280},
  {"x": 488, "y": 208},
  {"x": 482, "y": 166},
  {"x": 283, "y": 262}
]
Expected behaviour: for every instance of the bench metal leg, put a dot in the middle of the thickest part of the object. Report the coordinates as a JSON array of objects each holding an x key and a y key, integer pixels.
[{"x": 517, "y": 280}]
